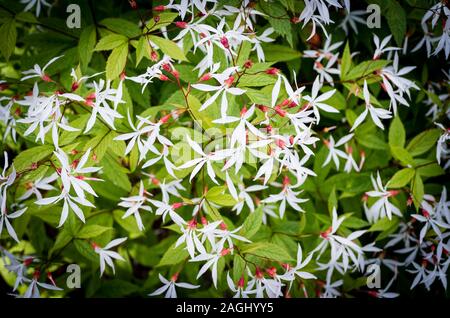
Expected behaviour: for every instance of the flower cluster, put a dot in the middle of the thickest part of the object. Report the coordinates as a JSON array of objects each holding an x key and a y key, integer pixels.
[{"x": 245, "y": 148}]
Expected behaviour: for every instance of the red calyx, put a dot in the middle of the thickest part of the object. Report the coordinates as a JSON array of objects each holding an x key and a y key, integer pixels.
[
  {"x": 159, "y": 8},
  {"x": 181, "y": 24},
  {"x": 229, "y": 81},
  {"x": 272, "y": 71},
  {"x": 280, "y": 111},
  {"x": 205, "y": 77},
  {"x": 177, "y": 205},
  {"x": 248, "y": 64},
  {"x": 225, "y": 251},
  {"x": 224, "y": 42}
]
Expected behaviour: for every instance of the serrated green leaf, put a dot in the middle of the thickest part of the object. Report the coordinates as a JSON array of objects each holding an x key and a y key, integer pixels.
[
  {"x": 117, "y": 61},
  {"x": 252, "y": 223},
  {"x": 8, "y": 37},
  {"x": 397, "y": 133},
  {"x": 110, "y": 42},
  {"x": 401, "y": 178},
  {"x": 86, "y": 44},
  {"x": 168, "y": 47},
  {"x": 267, "y": 250},
  {"x": 89, "y": 231}
]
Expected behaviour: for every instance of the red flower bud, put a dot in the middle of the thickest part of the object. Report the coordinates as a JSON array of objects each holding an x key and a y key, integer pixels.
[
  {"x": 181, "y": 24},
  {"x": 205, "y": 77},
  {"x": 248, "y": 64},
  {"x": 272, "y": 71},
  {"x": 159, "y": 8},
  {"x": 224, "y": 42}
]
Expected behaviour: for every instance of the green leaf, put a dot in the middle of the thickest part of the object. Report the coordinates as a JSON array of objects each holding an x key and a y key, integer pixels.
[
  {"x": 238, "y": 267},
  {"x": 364, "y": 69},
  {"x": 384, "y": 224},
  {"x": 86, "y": 250},
  {"x": 62, "y": 239},
  {"x": 203, "y": 118},
  {"x": 423, "y": 142},
  {"x": 282, "y": 26},
  {"x": 417, "y": 190},
  {"x": 257, "y": 96},
  {"x": 402, "y": 155},
  {"x": 267, "y": 250},
  {"x": 8, "y": 37},
  {"x": 213, "y": 212},
  {"x": 86, "y": 44},
  {"x": 129, "y": 224},
  {"x": 397, "y": 133},
  {"x": 168, "y": 47},
  {"x": 89, "y": 231},
  {"x": 174, "y": 255},
  {"x": 401, "y": 178},
  {"x": 256, "y": 80},
  {"x": 352, "y": 222},
  {"x": 371, "y": 141},
  {"x": 117, "y": 61},
  {"x": 431, "y": 170},
  {"x": 332, "y": 201},
  {"x": 346, "y": 61},
  {"x": 396, "y": 18},
  {"x": 26, "y": 158},
  {"x": 252, "y": 223},
  {"x": 26, "y": 17},
  {"x": 121, "y": 26},
  {"x": 217, "y": 195},
  {"x": 142, "y": 50},
  {"x": 279, "y": 53},
  {"x": 110, "y": 42},
  {"x": 165, "y": 19}
]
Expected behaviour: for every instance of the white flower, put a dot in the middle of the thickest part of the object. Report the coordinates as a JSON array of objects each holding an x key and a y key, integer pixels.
[
  {"x": 38, "y": 3},
  {"x": 136, "y": 203},
  {"x": 291, "y": 272},
  {"x": 331, "y": 289},
  {"x": 442, "y": 150},
  {"x": 35, "y": 187},
  {"x": 392, "y": 74},
  {"x": 211, "y": 262},
  {"x": 375, "y": 113},
  {"x": 243, "y": 197},
  {"x": 237, "y": 289},
  {"x": 169, "y": 287},
  {"x": 287, "y": 195},
  {"x": 72, "y": 174},
  {"x": 33, "y": 289},
  {"x": 341, "y": 247},
  {"x": 36, "y": 71},
  {"x": 381, "y": 46},
  {"x": 264, "y": 38},
  {"x": 164, "y": 209},
  {"x": 429, "y": 218},
  {"x": 336, "y": 153},
  {"x": 258, "y": 284},
  {"x": 351, "y": 18},
  {"x": 225, "y": 80},
  {"x": 6, "y": 181},
  {"x": 98, "y": 101},
  {"x": 382, "y": 207},
  {"x": 190, "y": 237},
  {"x": 205, "y": 159},
  {"x": 4, "y": 219},
  {"x": 316, "y": 102},
  {"x": 106, "y": 256},
  {"x": 69, "y": 201}
]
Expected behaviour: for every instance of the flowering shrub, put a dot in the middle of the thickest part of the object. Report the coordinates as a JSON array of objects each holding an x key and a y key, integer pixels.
[{"x": 224, "y": 148}]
